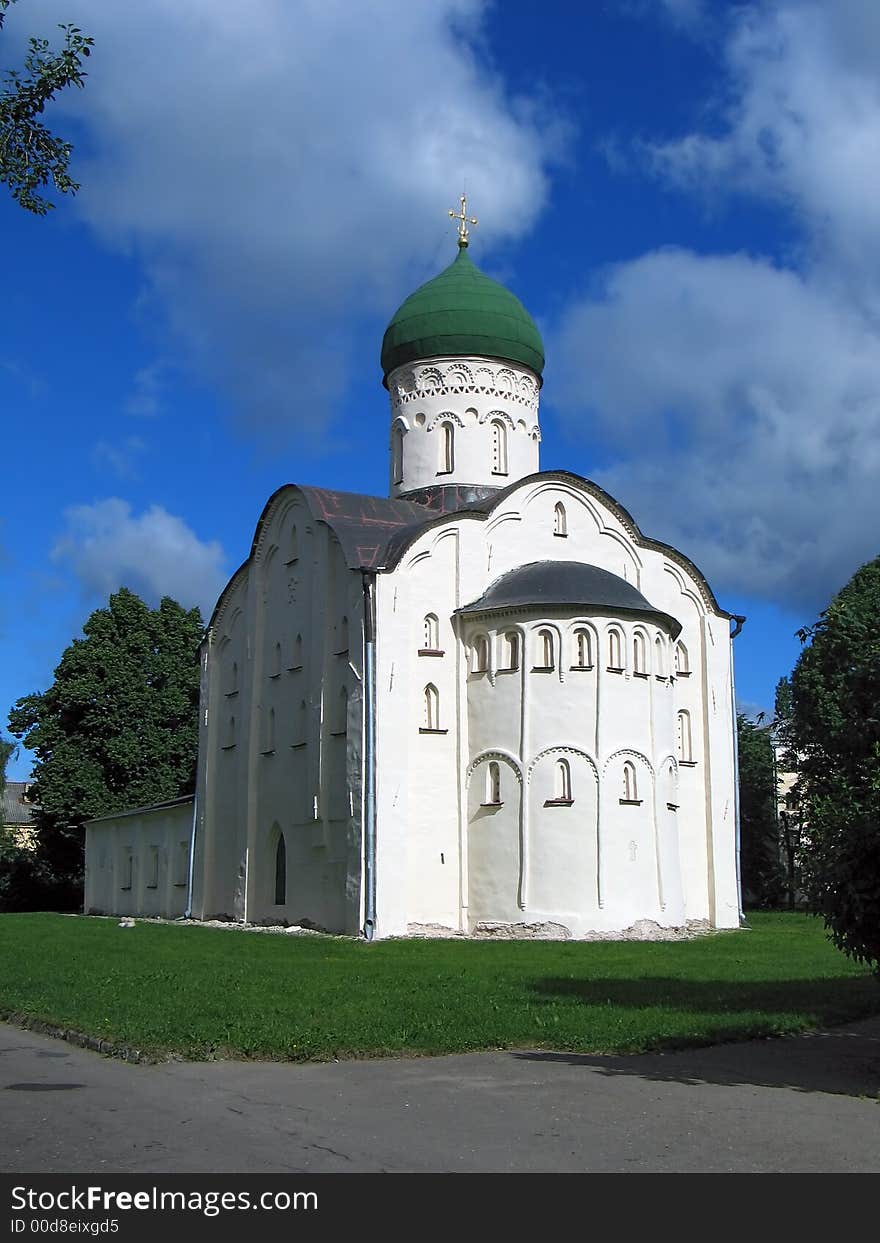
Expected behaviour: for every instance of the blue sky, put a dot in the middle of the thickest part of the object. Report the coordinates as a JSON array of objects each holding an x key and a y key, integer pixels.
[{"x": 682, "y": 193}]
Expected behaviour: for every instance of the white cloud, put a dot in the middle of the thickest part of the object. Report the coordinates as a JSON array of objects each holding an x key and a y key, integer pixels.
[
  {"x": 283, "y": 169},
  {"x": 154, "y": 554},
  {"x": 801, "y": 127},
  {"x": 119, "y": 458},
  {"x": 743, "y": 405},
  {"x": 740, "y": 397}
]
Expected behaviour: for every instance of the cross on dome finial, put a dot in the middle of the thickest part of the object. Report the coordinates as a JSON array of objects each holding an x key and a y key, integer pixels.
[{"x": 463, "y": 221}]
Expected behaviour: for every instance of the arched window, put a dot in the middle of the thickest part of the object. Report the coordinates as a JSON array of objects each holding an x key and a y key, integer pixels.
[
  {"x": 297, "y": 652},
  {"x": 583, "y": 653},
  {"x": 639, "y": 665},
  {"x": 671, "y": 791},
  {"x": 342, "y": 712},
  {"x": 630, "y": 788},
  {"x": 229, "y": 740},
  {"x": 659, "y": 658},
  {"x": 685, "y": 742},
  {"x": 615, "y": 651},
  {"x": 560, "y": 522},
  {"x": 432, "y": 708},
  {"x": 276, "y": 661},
  {"x": 280, "y": 872},
  {"x": 682, "y": 665},
  {"x": 447, "y": 449},
  {"x": 431, "y": 633},
  {"x": 301, "y": 723},
  {"x": 480, "y": 654},
  {"x": 397, "y": 455},
  {"x": 343, "y": 637},
  {"x": 493, "y": 782},
  {"x": 268, "y": 730},
  {"x": 563, "y": 781},
  {"x": 510, "y": 651},
  {"x": 499, "y": 447},
  {"x": 544, "y": 654},
  {"x": 292, "y": 545}
]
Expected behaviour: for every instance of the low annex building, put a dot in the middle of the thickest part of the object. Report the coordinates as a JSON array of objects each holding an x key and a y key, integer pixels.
[{"x": 486, "y": 700}]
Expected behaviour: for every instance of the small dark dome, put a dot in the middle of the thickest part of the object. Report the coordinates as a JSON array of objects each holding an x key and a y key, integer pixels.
[{"x": 567, "y": 583}]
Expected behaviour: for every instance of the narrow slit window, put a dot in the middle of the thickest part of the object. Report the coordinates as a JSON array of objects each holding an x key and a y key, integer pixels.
[
  {"x": 480, "y": 660},
  {"x": 499, "y": 447},
  {"x": 639, "y": 665},
  {"x": 342, "y": 712},
  {"x": 545, "y": 650},
  {"x": 682, "y": 665},
  {"x": 181, "y": 876},
  {"x": 563, "y": 781},
  {"x": 276, "y": 661},
  {"x": 685, "y": 741},
  {"x": 343, "y": 636},
  {"x": 615, "y": 650},
  {"x": 630, "y": 787},
  {"x": 431, "y": 633},
  {"x": 268, "y": 730},
  {"x": 397, "y": 455},
  {"x": 298, "y": 652},
  {"x": 127, "y": 870},
  {"x": 153, "y": 873},
  {"x": 432, "y": 707},
  {"x": 293, "y": 545},
  {"x": 659, "y": 658},
  {"x": 583, "y": 655},
  {"x": 493, "y": 783},
  {"x": 301, "y": 723},
  {"x": 447, "y": 448},
  {"x": 232, "y": 679},
  {"x": 510, "y": 651},
  {"x": 560, "y": 521},
  {"x": 280, "y": 872},
  {"x": 229, "y": 737}
]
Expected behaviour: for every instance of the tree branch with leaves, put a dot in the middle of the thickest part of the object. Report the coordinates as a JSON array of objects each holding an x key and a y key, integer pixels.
[{"x": 31, "y": 156}]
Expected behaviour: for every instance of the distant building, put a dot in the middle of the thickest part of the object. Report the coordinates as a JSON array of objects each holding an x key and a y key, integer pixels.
[{"x": 18, "y": 809}]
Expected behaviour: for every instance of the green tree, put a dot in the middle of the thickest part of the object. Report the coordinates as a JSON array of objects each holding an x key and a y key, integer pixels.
[
  {"x": 759, "y": 828},
  {"x": 7, "y": 750},
  {"x": 835, "y": 728},
  {"x": 118, "y": 727},
  {"x": 30, "y": 155}
]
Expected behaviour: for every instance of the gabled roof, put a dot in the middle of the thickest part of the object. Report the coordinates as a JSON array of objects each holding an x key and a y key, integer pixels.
[{"x": 375, "y": 532}]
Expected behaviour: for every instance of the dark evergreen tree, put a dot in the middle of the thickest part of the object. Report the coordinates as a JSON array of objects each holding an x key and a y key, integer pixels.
[{"x": 759, "y": 829}]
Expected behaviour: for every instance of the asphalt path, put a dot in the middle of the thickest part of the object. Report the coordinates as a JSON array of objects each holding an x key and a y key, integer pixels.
[{"x": 802, "y": 1104}]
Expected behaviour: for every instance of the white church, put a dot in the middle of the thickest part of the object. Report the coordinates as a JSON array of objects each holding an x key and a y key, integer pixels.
[{"x": 486, "y": 704}]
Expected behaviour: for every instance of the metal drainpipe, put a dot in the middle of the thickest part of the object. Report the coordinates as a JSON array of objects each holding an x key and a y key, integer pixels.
[
  {"x": 369, "y": 758},
  {"x": 187, "y": 914},
  {"x": 740, "y": 622}
]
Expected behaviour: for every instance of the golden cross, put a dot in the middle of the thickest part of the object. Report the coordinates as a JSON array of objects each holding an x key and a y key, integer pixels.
[{"x": 463, "y": 221}]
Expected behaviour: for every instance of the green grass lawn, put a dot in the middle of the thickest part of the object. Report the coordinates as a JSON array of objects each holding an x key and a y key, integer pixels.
[{"x": 201, "y": 992}]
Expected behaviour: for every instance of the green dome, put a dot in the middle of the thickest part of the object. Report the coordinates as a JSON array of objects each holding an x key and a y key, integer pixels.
[{"x": 462, "y": 312}]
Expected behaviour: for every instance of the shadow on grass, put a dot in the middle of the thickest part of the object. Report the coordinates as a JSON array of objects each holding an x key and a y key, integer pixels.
[{"x": 844, "y": 1060}]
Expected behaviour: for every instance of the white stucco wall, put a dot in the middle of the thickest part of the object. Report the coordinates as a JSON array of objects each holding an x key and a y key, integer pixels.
[
  {"x": 291, "y": 627},
  {"x": 468, "y": 395},
  {"x": 137, "y": 862},
  {"x": 598, "y": 864}
]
